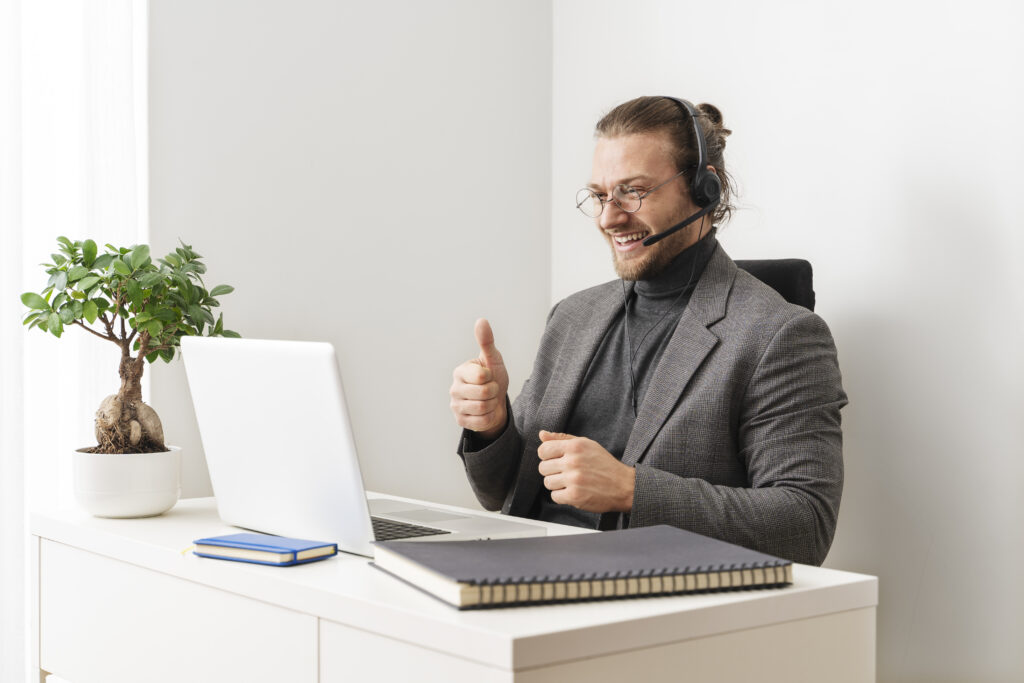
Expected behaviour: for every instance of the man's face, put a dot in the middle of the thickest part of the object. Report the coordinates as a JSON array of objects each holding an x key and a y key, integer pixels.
[{"x": 642, "y": 161}]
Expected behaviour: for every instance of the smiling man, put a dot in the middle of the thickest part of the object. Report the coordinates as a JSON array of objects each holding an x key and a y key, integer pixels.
[{"x": 686, "y": 392}]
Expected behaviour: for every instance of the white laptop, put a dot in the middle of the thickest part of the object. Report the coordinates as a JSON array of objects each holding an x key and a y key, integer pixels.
[{"x": 281, "y": 454}]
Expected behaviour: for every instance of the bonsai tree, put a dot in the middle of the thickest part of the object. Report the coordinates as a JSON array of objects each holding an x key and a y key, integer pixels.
[{"x": 122, "y": 296}]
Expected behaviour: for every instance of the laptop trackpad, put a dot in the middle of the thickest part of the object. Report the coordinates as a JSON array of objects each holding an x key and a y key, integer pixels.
[{"x": 425, "y": 516}]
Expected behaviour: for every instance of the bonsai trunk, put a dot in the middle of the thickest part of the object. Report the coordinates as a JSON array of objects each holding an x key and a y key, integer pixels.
[{"x": 124, "y": 424}]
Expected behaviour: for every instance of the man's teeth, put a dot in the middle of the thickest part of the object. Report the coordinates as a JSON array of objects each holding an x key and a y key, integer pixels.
[{"x": 632, "y": 237}]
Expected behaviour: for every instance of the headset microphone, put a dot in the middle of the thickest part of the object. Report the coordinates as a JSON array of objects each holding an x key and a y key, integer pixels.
[{"x": 654, "y": 239}]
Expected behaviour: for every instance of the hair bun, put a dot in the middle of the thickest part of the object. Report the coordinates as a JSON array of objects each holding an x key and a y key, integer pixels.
[{"x": 713, "y": 115}]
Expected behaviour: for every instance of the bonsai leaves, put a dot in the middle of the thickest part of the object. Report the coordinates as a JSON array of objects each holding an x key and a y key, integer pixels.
[
  {"x": 123, "y": 296},
  {"x": 189, "y": 296}
]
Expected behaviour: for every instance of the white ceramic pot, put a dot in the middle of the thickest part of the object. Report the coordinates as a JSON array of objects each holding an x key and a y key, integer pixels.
[{"x": 129, "y": 484}]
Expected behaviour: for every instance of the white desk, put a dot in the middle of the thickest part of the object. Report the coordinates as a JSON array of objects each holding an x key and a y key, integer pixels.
[{"x": 119, "y": 601}]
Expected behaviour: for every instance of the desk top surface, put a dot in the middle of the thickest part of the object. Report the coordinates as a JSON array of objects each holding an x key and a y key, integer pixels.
[{"x": 347, "y": 590}]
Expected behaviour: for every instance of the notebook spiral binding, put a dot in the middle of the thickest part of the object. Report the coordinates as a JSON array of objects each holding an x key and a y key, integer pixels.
[{"x": 631, "y": 584}]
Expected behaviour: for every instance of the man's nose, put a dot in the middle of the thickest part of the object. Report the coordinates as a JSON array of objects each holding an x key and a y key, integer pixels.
[{"x": 612, "y": 216}]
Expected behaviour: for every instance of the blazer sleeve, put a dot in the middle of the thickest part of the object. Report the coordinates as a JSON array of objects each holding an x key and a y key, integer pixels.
[
  {"x": 789, "y": 437},
  {"x": 492, "y": 467}
]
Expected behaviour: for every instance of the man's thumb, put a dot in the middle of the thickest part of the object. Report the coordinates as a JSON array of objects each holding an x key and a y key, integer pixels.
[
  {"x": 489, "y": 355},
  {"x": 545, "y": 435}
]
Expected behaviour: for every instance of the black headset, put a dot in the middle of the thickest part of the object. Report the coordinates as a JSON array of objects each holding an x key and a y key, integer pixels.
[{"x": 705, "y": 188}]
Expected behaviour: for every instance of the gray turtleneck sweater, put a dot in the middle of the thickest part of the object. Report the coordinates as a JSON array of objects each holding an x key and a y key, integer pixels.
[{"x": 604, "y": 409}]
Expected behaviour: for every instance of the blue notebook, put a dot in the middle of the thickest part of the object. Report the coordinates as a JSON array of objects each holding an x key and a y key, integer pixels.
[{"x": 278, "y": 551}]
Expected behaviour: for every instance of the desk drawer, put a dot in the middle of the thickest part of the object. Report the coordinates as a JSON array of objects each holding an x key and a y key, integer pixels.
[{"x": 105, "y": 621}]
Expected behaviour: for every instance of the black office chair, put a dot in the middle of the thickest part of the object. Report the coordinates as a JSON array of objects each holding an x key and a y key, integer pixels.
[{"x": 790, "y": 277}]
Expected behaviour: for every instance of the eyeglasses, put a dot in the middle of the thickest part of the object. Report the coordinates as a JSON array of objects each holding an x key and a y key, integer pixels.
[{"x": 627, "y": 198}]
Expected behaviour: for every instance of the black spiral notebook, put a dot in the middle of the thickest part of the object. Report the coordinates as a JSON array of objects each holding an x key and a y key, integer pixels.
[{"x": 628, "y": 563}]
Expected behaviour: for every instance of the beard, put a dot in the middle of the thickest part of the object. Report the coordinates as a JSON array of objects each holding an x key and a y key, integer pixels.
[{"x": 653, "y": 259}]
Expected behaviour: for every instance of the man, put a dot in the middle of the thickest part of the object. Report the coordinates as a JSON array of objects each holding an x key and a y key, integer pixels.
[{"x": 686, "y": 393}]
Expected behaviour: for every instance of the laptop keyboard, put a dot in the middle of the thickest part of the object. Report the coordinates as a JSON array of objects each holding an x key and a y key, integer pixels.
[{"x": 390, "y": 530}]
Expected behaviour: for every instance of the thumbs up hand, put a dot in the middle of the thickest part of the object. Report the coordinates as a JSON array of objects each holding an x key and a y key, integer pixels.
[{"x": 480, "y": 386}]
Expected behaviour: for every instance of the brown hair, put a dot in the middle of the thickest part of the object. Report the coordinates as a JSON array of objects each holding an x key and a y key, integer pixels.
[{"x": 646, "y": 114}]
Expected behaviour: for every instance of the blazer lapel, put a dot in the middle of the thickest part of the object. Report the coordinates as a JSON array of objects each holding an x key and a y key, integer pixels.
[
  {"x": 575, "y": 357},
  {"x": 689, "y": 346},
  {"x": 588, "y": 329}
]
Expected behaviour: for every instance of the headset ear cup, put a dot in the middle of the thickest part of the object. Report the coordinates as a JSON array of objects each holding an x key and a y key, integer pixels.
[{"x": 707, "y": 189}]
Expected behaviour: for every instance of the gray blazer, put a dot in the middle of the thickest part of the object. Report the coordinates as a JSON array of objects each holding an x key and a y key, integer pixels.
[{"x": 738, "y": 436}]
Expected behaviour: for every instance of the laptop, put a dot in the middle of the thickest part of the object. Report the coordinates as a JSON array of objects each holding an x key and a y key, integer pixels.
[{"x": 281, "y": 454}]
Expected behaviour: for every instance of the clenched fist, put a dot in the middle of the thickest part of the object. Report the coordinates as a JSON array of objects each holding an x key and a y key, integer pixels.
[
  {"x": 581, "y": 473},
  {"x": 480, "y": 386}
]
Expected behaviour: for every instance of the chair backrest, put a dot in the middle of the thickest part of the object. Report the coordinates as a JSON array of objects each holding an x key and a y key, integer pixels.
[{"x": 790, "y": 277}]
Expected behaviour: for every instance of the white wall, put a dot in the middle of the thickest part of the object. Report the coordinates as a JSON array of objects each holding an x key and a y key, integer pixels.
[
  {"x": 881, "y": 141},
  {"x": 372, "y": 174}
]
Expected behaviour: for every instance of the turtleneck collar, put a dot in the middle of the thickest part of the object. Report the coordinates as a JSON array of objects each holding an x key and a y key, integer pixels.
[{"x": 677, "y": 274}]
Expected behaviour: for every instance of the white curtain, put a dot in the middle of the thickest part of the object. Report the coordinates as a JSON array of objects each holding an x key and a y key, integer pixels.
[
  {"x": 12, "y": 472},
  {"x": 73, "y": 136}
]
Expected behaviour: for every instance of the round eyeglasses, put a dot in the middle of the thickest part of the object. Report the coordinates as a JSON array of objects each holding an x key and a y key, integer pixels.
[{"x": 627, "y": 198}]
